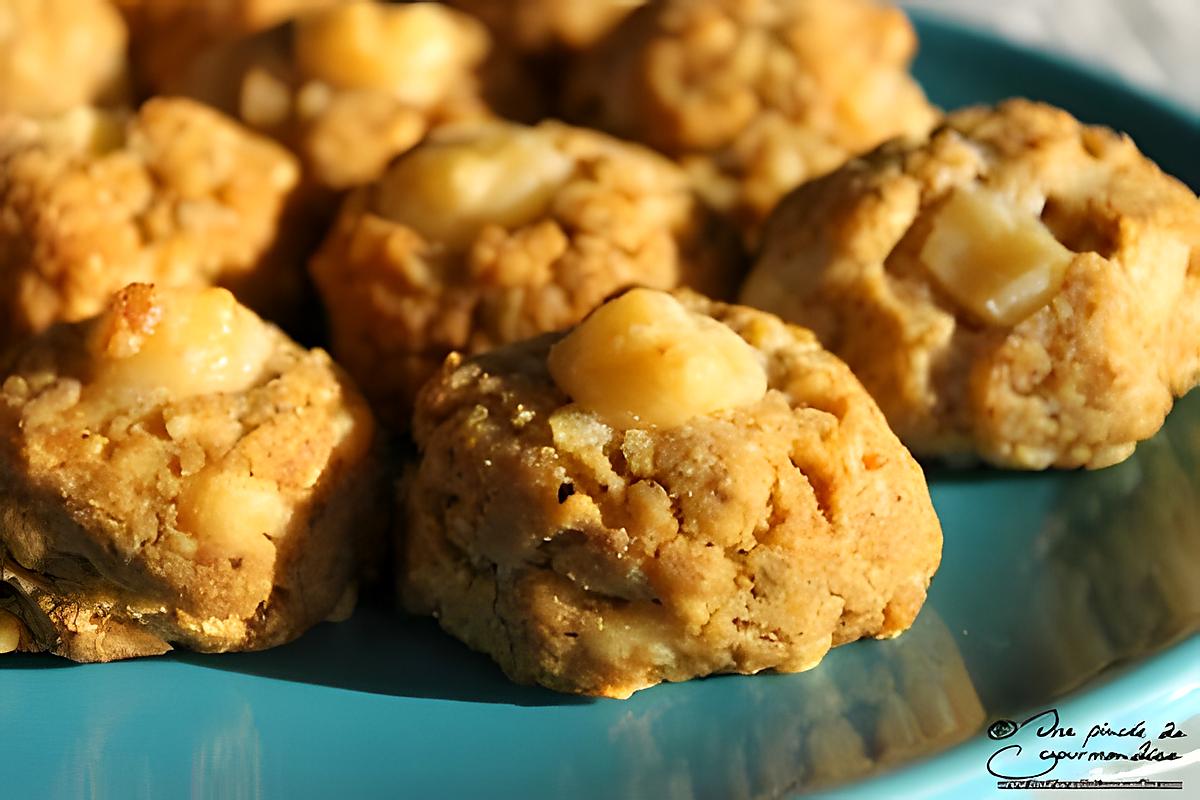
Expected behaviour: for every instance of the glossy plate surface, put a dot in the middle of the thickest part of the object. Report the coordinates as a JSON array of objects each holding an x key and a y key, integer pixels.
[{"x": 1079, "y": 590}]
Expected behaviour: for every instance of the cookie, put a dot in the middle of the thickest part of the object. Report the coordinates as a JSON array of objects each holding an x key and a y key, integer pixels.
[
  {"x": 175, "y": 471},
  {"x": 350, "y": 87},
  {"x": 735, "y": 503},
  {"x": 753, "y": 96},
  {"x": 1017, "y": 287},
  {"x": 490, "y": 233},
  {"x": 59, "y": 54},
  {"x": 175, "y": 194}
]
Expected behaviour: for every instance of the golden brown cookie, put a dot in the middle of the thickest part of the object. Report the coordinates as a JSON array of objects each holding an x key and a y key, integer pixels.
[
  {"x": 350, "y": 87},
  {"x": 735, "y": 503},
  {"x": 537, "y": 26},
  {"x": 490, "y": 233},
  {"x": 753, "y": 96},
  {"x": 59, "y": 54},
  {"x": 1016, "y": 287},
  {"x": 175, "y": 194},
  {"x": 176, "y": 471}
]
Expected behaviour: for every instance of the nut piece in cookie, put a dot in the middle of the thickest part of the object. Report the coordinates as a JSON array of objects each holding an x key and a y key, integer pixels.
[
  {"x": 175, "y": 471},
  {"x": 351, "y": 87},
  {"x": 59, "y": 54},
  {"x": 175, "y": 194},
  {"x": 643, "y": 360},
  {"x": 538, "y": 26},
  {"x": 600, "y": 539},
  {"x": 753, "y": 96},
  {"x": 1017, "y": 287},
  {"x": 492, "y": 232}
]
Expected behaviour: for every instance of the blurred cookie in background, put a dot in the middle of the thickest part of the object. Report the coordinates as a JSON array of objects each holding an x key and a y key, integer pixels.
[
  {"x": 753, "y": 97},
  {"x": 533, "y": 42},
  {"x": 175, "y": 194},
  {"x": 350, "y": 87},
  {"x": 59, "y": 54},
  {"x": 168, "y": 34}
]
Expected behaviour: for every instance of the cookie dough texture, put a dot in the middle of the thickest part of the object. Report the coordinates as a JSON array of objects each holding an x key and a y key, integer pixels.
[
  {"x": 538, "y": 26},
  {"x": 753, "y": 96},
  {"x": 178, "y": 472},
  {"x": 58, "y": 54},
  {"x": 601, "y": 562},
  {"x": 349, "y": 87},
  {"x": 1077, "y": 382},
  {"x": 491, "y": 233},
  {"x": 175, "y": 194}
]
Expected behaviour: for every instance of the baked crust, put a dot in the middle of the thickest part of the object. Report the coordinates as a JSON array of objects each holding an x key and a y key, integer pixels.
[
  {"x": 135, "y": 518},
  {"x": 1076, "y": 383},
  {"x": 600, "y": 561}
]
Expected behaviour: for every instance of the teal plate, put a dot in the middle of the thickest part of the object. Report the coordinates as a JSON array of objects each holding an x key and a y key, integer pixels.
[{"x": 1079, "y": 591}]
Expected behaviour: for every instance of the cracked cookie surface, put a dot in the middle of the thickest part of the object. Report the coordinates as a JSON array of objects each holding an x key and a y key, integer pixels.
[
  {"x": 601, "y": 560},
  {"x": 176, "y": 471},
  {"x": 1018, "y": 287}
]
